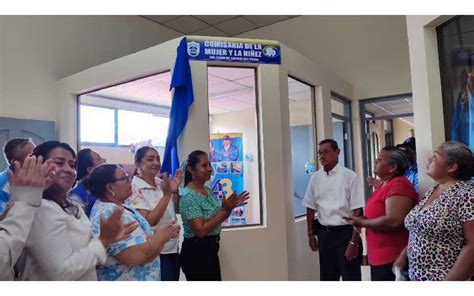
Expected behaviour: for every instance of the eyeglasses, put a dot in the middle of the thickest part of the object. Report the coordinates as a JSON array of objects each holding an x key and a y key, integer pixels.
[{"x": 126, "y": 177}]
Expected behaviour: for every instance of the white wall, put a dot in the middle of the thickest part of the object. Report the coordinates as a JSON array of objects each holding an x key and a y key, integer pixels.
[
  {"x": 401, "y": 131},
  {"x": 36, "y": 51},
  {"x": 370, "y": 52}
]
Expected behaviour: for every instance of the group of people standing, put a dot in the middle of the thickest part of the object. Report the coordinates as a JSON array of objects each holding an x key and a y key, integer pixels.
[
  {"x": 68, "y": 217},
  {"x": 425, "y": 238}
]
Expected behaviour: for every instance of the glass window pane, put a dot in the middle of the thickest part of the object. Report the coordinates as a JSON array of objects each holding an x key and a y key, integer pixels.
[
  {"x": 302, "y": 132},
  {"x": 234, "y": 145},
  {"x": 131, "y": 131},
  {"x": 97, "y": 124},
  {"x": 456, "y": 55}
]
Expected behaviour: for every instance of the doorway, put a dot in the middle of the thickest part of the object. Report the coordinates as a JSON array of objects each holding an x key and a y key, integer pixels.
[{"x": 385, "y": 121}]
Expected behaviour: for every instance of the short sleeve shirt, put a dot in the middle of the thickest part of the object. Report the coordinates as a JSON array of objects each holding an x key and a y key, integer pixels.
[
  {"x": 384, "y": 247},
  {"x": 193, "y": 205},
  {"x": 436, "y": 235},
  {"x": 112, "y": 269},
  {"x": 146, "y": 197},
  {"x": 334, "y": 195}
]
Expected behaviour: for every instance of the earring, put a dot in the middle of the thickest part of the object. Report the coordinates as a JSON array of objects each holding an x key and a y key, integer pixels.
[{"x": 113, "y": 194}]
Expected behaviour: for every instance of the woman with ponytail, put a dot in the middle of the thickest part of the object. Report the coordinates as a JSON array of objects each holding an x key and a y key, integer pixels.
[{"x": 202, "y": 218}]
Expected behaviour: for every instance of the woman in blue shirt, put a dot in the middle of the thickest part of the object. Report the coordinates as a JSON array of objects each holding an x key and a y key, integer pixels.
[
  {"x": 136, "y": 257},
  {"x": 87, "y": 160},
  {"x": 202, "y": 218}
]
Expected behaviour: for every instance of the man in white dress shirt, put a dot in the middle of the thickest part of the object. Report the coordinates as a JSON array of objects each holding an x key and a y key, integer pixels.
[{"x": 333, "y": 193}]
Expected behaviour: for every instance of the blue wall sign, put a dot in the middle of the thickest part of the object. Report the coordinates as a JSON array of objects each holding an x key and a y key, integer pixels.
[{"x": 234, "y": 50}]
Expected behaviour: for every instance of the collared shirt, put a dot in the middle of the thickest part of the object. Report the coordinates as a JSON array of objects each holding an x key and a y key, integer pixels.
[
  {"x": 4, "y": 190},
  {"x": 146, "y": 197},
  {"x": 334, "y": 195},
  {"x": 112, "y": 269},
  {"x": 412, "y": 175}
]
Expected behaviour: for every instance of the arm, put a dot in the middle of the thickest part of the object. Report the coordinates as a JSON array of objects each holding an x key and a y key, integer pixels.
[
  {"x": 201, "y": 227},
  {"x": 463, "y": 268},
  {"x": 175, "y": 199},
  {"x": 49, "y": 243},
  {"x": 309, "y": 220},
  {"x": 356, "y": 231},
  {"x": 145, "y": 251},
  {"x": 15, "y": 227},
  {"x": 157, "y": 212},
  {"x": 402, "y": 260},
  {"x": 396, "y": 208}
]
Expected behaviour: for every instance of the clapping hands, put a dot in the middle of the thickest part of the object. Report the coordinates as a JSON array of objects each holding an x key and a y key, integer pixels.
[
  {"x": 171, "y": 185},
  {"x": 235, "y": 200},
  {"x": 33, "y": 173}
]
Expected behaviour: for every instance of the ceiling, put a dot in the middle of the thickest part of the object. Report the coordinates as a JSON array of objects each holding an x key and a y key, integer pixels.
[
  {"x": 230, "y": 90},
  {"x": 393, "y": 107},
  {"x": 216, "y": 25}
]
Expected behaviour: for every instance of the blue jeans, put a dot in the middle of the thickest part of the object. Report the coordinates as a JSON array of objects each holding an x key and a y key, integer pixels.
[{"x": 169, "y": 267}]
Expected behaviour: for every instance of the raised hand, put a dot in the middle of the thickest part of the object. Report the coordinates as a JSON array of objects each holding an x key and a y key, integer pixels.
[
  {"x": 32, "y": 173},
  {"x": 113, "y": 230},
  {"x": 174, "y": 184},
  {"x": 235, "y": 200}
]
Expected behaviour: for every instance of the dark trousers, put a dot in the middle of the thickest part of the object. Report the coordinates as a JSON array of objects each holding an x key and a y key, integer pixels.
[
  {"x": 332, "y": 242},
  {"x": 382, "y": 272},
  {"x": 199, "y": 259},
  {"x": 169, "y": 267}
]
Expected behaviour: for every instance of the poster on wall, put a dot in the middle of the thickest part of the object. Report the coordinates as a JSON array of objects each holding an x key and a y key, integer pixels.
[
  {"x": 233, "y": 50},
  {"x": 226, "y": 156}
]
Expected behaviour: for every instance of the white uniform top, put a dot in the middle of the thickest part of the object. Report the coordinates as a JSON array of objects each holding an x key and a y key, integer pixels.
[
  {"x": 334, "y": 195},
  {"x": 146, "y": 197},
  {"x": 60, "y": 247}
]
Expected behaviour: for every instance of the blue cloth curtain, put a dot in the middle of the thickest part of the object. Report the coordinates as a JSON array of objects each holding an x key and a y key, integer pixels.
[{"x": 183, "y": 97}]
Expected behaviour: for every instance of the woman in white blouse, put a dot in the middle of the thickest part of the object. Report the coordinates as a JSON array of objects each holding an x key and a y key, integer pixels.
[
  {"x": 60, "y": 245},
  {"x": 157, "y": 200}
]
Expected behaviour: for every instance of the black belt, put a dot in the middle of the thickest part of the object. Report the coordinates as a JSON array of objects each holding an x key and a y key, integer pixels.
[
  {"x": 335, "y": 228},
  {"x": 317, "y": 227}
]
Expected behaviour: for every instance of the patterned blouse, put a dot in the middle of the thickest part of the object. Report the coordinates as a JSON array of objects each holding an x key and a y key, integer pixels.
[
  {"x": 114, "y": 270},
  {"x": 436, "y": 232},
  {"x": 193, "y": 204}
]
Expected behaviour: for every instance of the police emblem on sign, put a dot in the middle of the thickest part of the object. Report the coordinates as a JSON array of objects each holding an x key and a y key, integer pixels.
[
  {"x": 193, "y": 49},
  {"x": 270, "y": 51}
]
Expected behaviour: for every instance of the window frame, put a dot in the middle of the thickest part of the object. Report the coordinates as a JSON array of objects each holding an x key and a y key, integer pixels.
[
  {"x": 259, "y": 137},
  {"x": 314, "y": 129},
  {"x": 347, "y": 120}
]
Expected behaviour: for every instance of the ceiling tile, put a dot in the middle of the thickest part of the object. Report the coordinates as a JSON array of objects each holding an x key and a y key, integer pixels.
[
  {"x": 231, "y": 73},
  {"x": 211, "y": 31},
  {"x": 265, "y": 20},
  {"x": 187, "y": 24},
  {"x": 161, "y": 18},
  {"x": 236, "y": 26},
  {"x": 247, "y": 81},
  {"x": 215, "y": 19},
  {"x": 211, "y": 79}
]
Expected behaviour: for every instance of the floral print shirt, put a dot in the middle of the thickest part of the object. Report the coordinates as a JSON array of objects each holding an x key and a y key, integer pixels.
[{"x": 114, "y": 270}]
